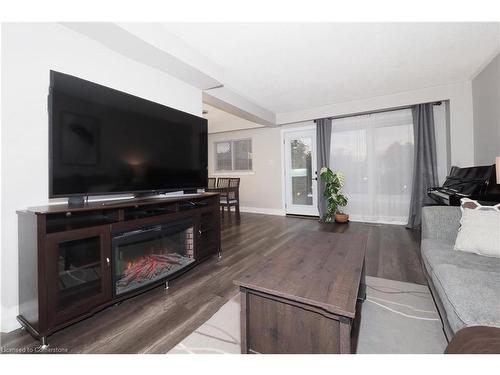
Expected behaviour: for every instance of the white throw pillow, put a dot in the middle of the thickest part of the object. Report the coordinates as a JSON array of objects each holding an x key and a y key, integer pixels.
[{"x": 479, "y": 232}]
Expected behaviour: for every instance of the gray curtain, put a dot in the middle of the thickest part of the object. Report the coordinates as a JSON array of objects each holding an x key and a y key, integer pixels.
[
  {"x": 424, "y": 163},
  {"x": 323, "y": 137}
]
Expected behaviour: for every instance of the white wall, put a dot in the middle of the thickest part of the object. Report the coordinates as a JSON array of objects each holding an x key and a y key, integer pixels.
[
  {"x": 442, "y": 139},
  {"x": 260, "y": 190},
  {"x": 29, "y": 51},
  {"x": 460, "y": 108},
  {"x": 486, "y": 102}
]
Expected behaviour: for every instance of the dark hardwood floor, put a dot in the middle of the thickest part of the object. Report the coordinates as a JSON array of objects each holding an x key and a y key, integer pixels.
[{"x": 157, "y": 320}]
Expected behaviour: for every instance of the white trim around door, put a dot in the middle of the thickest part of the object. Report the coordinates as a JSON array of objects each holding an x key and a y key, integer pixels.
[{"x": 300, "y": 171}]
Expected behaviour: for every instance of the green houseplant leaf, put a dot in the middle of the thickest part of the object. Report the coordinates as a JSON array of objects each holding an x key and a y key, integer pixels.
[{"x": 334, "y": 198}]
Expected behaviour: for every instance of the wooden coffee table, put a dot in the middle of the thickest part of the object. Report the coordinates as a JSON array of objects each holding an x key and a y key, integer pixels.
[{"x": 306, "y": 297}]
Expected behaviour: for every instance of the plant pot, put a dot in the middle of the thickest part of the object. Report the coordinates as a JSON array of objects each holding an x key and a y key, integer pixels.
[{"x": 341, "y": 218}]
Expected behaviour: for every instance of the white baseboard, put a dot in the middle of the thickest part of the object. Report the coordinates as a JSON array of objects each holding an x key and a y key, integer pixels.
[
  {"x": 281, "y": 212},
  {"x": 265, "y": 211},
  {"x": 9, "y": 322},
  {"x": 383, "y": 220}
]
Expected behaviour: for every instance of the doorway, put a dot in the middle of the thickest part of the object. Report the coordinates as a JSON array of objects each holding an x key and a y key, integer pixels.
[{"x": 300, "y": 172}]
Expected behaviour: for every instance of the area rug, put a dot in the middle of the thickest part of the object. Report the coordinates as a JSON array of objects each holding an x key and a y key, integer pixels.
[{"x": 397, "y": 317}]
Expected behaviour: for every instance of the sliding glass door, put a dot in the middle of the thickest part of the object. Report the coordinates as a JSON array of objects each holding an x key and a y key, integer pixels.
[{"x": 375, "y": 153}]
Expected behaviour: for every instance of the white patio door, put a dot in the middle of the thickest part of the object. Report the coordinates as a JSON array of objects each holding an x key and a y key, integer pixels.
[{"x": 301, "y": 172}]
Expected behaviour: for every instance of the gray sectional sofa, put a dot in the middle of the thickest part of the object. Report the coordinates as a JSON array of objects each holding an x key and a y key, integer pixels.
[{"x": 465, "y": 286}]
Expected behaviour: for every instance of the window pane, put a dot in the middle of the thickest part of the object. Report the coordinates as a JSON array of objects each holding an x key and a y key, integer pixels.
[
  {"x": 301, "y": 171},
  {"x": 223, "y": 156},
  {"x": 393, "y": 155},
  {"x": 375, "y": 153},
  {"x": 242, "y": 154},
  {"x": 349, "y": 156}
]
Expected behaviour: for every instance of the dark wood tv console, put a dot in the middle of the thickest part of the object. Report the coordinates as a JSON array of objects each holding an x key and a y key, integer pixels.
[{"x": 70, "y": 258}]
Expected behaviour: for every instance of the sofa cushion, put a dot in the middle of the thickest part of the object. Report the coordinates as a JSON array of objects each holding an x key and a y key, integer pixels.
[
  {"x": 468, "y": 284},
  {"x": 435, "y": 251},
  {"x": 473, "y": 294}
]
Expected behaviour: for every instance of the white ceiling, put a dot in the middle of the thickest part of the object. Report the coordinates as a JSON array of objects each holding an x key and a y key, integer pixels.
[{"x": 291, "y": 66}]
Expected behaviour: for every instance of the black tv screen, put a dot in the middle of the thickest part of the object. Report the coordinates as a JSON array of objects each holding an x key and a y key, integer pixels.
[{"x": 103, "y": 141}]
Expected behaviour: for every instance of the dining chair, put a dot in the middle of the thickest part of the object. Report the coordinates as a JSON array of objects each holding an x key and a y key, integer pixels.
[
  {"x": 229, "y": 188},
  {"x": 211, "y": 183}
]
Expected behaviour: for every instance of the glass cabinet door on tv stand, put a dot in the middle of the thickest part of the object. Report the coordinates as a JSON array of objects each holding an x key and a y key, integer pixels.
[{"x": 78, "y": 272}]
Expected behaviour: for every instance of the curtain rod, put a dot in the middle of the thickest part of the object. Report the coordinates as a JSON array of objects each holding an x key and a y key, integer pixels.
[{"x": 378, "y": 111}]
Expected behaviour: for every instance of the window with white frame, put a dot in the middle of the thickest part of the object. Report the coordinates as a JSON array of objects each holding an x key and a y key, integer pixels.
[{"x": 233, "y": 155}]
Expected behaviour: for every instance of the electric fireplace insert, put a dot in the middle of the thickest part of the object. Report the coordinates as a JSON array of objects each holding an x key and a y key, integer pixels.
[{"x": 141, "y": 257}]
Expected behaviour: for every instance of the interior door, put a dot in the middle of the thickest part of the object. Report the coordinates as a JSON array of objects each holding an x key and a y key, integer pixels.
[{"x": 301, "y": 172}]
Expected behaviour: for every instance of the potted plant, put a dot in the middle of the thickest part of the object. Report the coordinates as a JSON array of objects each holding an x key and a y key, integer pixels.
[{"x": 334, "y": 197}]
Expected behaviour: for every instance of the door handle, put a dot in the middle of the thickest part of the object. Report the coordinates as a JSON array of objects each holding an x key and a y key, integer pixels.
[{"x": 108, "y": 262}]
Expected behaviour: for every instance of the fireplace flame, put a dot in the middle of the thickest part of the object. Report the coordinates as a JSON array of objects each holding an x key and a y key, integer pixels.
[
  {"x": 147, "y": 267},
  {"x": 134, "y": 262}
]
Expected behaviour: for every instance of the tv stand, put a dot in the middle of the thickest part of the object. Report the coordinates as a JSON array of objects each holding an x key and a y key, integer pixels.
[{"x": 57, "y": 242}]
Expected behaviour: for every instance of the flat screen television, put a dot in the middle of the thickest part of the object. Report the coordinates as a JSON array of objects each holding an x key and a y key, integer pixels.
[{"x": 104, "y": 141}]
